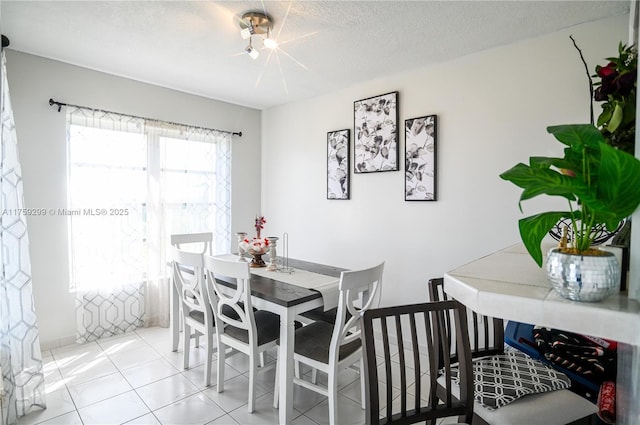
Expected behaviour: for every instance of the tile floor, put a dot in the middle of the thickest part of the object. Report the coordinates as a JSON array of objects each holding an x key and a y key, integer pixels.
[{"x": 135, "y": 378}]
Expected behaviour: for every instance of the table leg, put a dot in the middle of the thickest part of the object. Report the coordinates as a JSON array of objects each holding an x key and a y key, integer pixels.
[
  {"x": 285, "y": 357},
  {"x": 174, "y": 320}
]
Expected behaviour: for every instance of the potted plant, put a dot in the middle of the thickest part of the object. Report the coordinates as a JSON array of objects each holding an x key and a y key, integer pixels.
[{"x": 602, "y": 187}]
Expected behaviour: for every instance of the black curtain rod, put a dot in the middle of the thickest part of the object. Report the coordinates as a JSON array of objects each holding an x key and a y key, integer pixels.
[{"x": 61, "y": 104}]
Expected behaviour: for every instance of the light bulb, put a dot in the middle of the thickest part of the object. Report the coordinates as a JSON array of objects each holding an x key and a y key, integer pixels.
[
  {"x": 270, "y": 43},
  {"x": 253, "y": 53}
]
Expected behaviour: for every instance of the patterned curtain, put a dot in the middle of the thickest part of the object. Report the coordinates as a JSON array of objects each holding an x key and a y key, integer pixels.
[
  {"x": 166, "y": 178},
  {"x": 22, "y": 388}
]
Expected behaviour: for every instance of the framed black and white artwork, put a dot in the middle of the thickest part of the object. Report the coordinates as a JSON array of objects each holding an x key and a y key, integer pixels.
[
  {"x": 420, "y": 158},
  {"x": 338, "y": 164},
  {"x": 375, "y": 125}
]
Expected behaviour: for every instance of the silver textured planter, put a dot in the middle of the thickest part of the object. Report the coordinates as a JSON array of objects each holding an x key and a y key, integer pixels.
[{"x": 583, "y": 277}]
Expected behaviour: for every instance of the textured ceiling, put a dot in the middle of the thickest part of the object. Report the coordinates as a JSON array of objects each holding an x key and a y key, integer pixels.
[{"x": 195, "y": 46}]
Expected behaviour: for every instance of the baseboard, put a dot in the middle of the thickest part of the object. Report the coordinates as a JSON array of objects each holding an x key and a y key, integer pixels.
[{"x": 57, "y": 343}]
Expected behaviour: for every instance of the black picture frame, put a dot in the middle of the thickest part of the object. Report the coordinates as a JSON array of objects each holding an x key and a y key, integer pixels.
[
  {"x": 338, "y": 177},
  {"x": 420, "y": 153},
  {"x": 375, "y": 126}
]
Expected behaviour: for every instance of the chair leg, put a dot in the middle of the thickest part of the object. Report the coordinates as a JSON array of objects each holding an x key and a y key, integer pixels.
[
  {"x": 197, "y": 334},
  {"x": 332, "y": 392},
  {"x": 262, "y": 359},
  {"x": 296, "y": 369},
  {"x": 187, "y": 344},
  {"x": 209, "y": 355},
  {"x": 253, "y": 369},
  {"x": 314, "y": 376},
  {"x": 276, "y": 386},
  {"x": 362, "y": 384},
  {"x": 221, "y": 364}
]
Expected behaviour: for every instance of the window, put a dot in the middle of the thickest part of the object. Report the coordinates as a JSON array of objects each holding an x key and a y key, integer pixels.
[{"x": 131, "y": 184}]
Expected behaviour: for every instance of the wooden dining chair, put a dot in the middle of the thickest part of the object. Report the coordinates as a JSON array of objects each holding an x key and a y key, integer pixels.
[
  {"x": 486, "y": 335},
  {"x": 402, "y": 345},
  {"x": 197, "y": 315},
  {"x": 239, "y": 325},
  {"x": 332, "y": 348}
]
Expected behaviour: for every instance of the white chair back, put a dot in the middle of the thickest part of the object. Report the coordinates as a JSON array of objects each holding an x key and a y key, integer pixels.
[
  {"x": 358, "y": 292},
  {"x": 179, "y": 240},
  {"x": 188, "y": 279},
  {"x": 240, "y": 299}
]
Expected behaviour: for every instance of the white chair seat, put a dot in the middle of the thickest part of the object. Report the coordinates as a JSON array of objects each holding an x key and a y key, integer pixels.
[{"x": 551, "y": 408}]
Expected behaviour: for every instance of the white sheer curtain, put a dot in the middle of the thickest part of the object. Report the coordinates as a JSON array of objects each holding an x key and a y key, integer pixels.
[
  {"x": 132, "y": 183},
  {"x": 20, "y": 357}
]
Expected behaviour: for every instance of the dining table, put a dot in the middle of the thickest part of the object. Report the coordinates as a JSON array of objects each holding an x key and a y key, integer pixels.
[{"x": 286, "y": 294}]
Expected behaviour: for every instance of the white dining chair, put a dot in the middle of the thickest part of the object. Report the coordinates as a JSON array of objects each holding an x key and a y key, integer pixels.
[
  {"x": 331, "y": 348},
  {"x": 192, "y": 242},
  {"x": 239, "y": 325},
  {"x": 195, "y": 242},
  {"x": 197, "y": 315}
]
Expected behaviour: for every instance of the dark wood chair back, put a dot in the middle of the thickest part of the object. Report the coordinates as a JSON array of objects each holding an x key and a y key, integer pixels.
[
  {"x": 402, "y": 344},
  {"x": 486, "y": 334}
]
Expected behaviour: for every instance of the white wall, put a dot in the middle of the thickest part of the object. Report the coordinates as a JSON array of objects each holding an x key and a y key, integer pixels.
[
  {"x": 41, "y": 143},
  {"x": 493, "y": 108}
]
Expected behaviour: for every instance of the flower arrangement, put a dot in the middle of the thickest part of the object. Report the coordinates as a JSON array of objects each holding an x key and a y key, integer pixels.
[
  {"x": 259, "y": 224},
  {"x": 617, "y": 89},
  {"x": 257, "y": 245}
]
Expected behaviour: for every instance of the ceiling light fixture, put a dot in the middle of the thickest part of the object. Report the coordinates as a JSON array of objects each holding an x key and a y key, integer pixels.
[{"x": 257, "y": 23}]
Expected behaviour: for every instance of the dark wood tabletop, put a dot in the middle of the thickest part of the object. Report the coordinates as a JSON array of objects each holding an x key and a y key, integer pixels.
[{"x": 283, "y": 293}]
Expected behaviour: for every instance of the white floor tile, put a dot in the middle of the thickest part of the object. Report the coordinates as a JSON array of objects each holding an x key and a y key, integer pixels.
[
  {"x": 88, "y": 371},
  {"x": 149, "y": 372},
  {"x": 120, "y": 343},
  {"x": 264, "y": 413},
  {"x": 135, "y": 356},
  {"x": 349, "y": 412},
  {"x": 304, "y": 399},
  {"x": 53, "y": 380},
  {"x": 115, "y": 410},
  {"x": 166, "y": 391},
  {"x": 303, "y": 420},
  {"x": 72, "y": 418},
  {"x": 58, "y": 403},
  {"x": 345, "y": 377},
  {"x": 223, "y": 420},
  {"x": 78, "y": 356},
  {"x": 196, "y": 375},
  {"x": 235, "y": 394},
  {"x": 56, "y": 351},
  {"x": 96, "y": 390},
  {"x": 197, "y": 357},
  {"x": 195, "y": 409},
  {"x": 148, "y": 419}
]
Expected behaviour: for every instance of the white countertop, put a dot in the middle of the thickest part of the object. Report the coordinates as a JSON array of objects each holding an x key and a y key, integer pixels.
[{"x": 510, "y": 285}]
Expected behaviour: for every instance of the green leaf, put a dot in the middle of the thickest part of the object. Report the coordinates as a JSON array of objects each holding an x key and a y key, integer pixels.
[
  {"x": 539, "y": 181},
  {"x": 577, "y": 135},
  {"x": 618, "y": 182},
  {"x": 616, "y": 118},
  {"x": 533, "y": 229}
]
